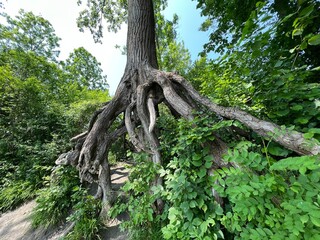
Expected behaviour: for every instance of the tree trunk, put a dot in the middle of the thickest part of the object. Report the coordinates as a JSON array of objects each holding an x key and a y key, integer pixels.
[{"x": 140, "y": 90}]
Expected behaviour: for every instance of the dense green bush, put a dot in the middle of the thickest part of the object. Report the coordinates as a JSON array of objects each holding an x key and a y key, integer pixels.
[
  {"x": 43, "y": 103},
  {"x": 266, "y": 197},
  {"x": 85, "y": 217},
  {"x": 55, "y": 201},
  {"x": 64, "y": 200},
  {"x": 143, "y": 221},
  {"x": 14, "y": 194},
  {"x": 270, "y": 199}
]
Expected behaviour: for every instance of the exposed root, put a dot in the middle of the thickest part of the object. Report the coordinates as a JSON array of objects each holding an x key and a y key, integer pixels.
[
  {"x": 138, "y": 95},
  {"x": 171, "y": 96},
  {"x": 290, "y": 139},
  {"x": 94, "y": 146},
  {"x": 130, "y": 129},
  {"x": 79, "y": 136},
  {"x": 69, "y": 158},
  {"x": 152, "y": 113}
]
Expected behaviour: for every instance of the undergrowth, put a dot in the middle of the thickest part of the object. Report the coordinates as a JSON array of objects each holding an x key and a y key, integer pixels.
[
  {"x": 270, "y": 195},
  {"x": 14, "y": 194},
  {"x": 55, "y": 201},
  {"x": 64, "y": 200},
  {"x": 85, "y": 216}
]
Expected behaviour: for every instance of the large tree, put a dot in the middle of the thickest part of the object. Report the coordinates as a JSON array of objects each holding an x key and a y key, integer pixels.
[
  {"x": 28, "y": 32},
  {"x": 142, "y": 88},
  {"x": 85, "y": 70}
]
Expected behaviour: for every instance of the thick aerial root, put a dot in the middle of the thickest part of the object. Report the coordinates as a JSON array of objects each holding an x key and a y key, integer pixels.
[
  {"x": 94, "y": 146},
  {"x": 138, "y": 95},
  {"x": 171, "y": 96},
  {"x": 152, "y": 113},
  {"x": 130, "y": 129},
  {"x": 292, "y": 140}
]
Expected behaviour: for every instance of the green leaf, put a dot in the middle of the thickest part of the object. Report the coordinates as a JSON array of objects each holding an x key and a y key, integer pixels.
[
  {"x": 180, "y": 235},
  {"x": 287, "y": 17},
  {"x": 202, "y": 172},
  {"x": 204, "y": 227},
  {"x": 277, "y": 151},
  {"x": 197, "y": 163},
  {"x": 208, "y": 164},
  {"x": 297, "y": 107},
  {"x": 297, "y": 163},
  {"x": 315, "y": 69},
  {"x": 173, "y": 212},
  {"x": 314, "y": 130},
  {"x": 304, "y": 218},
  {"x": 167, "y": 233},
  {"x": 308, "y": 135},
  {"x": 302, "y": 120},
  {"x": 315, "y": 40},
  {"x": 196, "y": 157},
  {"x": 189, "y": 215},
  {"x": 315, "y": 221},
  {"x": 306, "y": 11},
  {"x": 278, "y": 63},
  {"x": 303, "y": 45},
  {"x": 196, "y": 222},
  {"x": 297, "y": 32},
  {"x": 208, "y": 158},
  {"x": 192, "y": 204}
]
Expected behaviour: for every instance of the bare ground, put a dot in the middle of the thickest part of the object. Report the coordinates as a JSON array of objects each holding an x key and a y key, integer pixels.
[{"x": 16, "y": 225}]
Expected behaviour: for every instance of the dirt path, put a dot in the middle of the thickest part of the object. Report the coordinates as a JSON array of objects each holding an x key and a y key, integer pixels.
[{"x": 16, "y": 225}]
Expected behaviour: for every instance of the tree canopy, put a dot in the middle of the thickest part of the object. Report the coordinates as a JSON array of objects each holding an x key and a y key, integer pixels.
[
  {"x": 29, "y": 33},
  {"x": 41, "y": 104}
]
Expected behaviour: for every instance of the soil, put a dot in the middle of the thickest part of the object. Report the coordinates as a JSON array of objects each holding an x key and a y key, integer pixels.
[{"x": 16, "y": 225}]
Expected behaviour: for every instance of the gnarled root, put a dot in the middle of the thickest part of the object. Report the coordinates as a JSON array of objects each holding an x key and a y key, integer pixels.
[
  {"x": 137, "y": 97},
  {"x": 290, "y": 139}
]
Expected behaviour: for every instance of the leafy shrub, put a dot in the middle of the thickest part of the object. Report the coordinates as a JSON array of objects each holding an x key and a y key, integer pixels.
[
  {"x": 55, "y": 201},
  {"x": 14, "y": 194},
  {"x": 271, "y": 201},
  {"x": 85, "y": 217},
  {"x": 143, "y": 223},
  {"x": 271, "y": 195},
  {"x": 192, "y": 211}
]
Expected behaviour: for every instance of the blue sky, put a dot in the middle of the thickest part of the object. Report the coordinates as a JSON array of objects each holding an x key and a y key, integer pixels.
[
  {"x": 62, "y": 15},
  {"x": 189, "y": 23}
]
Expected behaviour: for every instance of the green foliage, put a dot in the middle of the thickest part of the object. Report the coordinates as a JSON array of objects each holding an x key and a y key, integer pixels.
[
  {"x": 143, "y": 223},
  {"x": 84, "y": 69},
  {"x": 15, "y": 194},
  {"x": 56, "y": 200},
  {"x": 268, "y": 196},
  {"x": 270, "y": 69},
  {"x": 85, "y": 216},
  {"x": 192, "y": 212},
  {"x": 172, "y": 54},
  {"x": 270, "y": 200},
  {"x": 114, "y": 11},
  {"x": 63, "y": 197},
  {"x": 41, "y": 105},
  {"x": 226, "y": 21},
  {"x": 28, "y": 32}
]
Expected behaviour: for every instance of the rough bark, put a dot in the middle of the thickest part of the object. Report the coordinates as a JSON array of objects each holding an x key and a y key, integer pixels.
[{"x": 140, "y": 90}]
